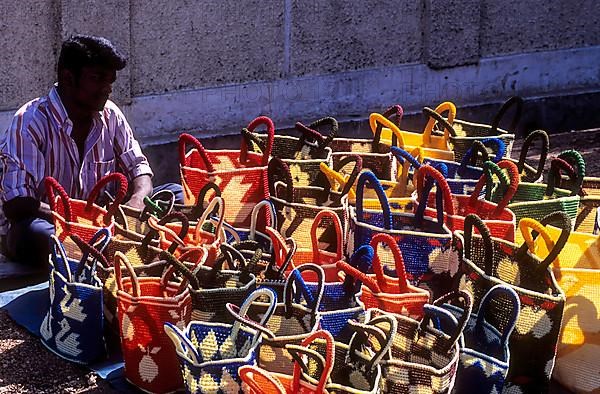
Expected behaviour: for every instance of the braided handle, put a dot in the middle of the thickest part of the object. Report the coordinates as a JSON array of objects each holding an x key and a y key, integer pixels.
[
  {"x": 382, "y": 238},
  {"x": 368, "y": 176},
  {"x": 184, "y": 139},
  {"x": 515, "y": 100},
  {"x": 328, "y": 120},
  {"x": 435, "y": 116},
  {"x": 279, "y": 171},
  {"x": 337, "y": 226},
  {"x": 472, "y": 220},
  {"x": 122, "y": 186},
  {"x": 527, "y": 143},
  {"x": 261, "y": 120},
  {"x": 53, "y": 185}
]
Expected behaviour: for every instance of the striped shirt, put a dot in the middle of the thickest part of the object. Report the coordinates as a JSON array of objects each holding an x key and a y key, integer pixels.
[{"x": 38, "y": 143}]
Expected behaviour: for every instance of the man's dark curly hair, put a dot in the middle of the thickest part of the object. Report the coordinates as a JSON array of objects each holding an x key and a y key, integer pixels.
[{"x": 83, "y": 51}]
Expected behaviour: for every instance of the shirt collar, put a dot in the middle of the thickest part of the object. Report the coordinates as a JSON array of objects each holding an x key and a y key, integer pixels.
[{"x": 60, "y": 113}]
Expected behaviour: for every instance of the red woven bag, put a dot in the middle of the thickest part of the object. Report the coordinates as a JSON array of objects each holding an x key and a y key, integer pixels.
[{"x": 240, "y": 175}]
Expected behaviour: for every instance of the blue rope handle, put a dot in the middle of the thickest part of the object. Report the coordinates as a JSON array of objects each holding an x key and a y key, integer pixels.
[
  {"x": 368, "y": 176},
  {"x": 513, "y": 297}
]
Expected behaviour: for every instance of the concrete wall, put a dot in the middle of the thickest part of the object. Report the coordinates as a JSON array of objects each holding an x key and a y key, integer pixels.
[{"x": 213, "y": 66}]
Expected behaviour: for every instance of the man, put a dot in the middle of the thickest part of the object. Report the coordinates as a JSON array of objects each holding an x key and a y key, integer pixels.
[{"x": 74, "y": 134}]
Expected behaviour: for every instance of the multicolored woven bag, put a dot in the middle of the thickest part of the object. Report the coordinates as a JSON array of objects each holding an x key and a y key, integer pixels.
[
  {"x": 297, "y": 207},
  {"x": 499, "y": 219},
  {"x": 467, "y": 132},
  {"x": 239, "y": 174},
  {"x": 83, "y": 218},
  {"x": 290, "y": 323},
  {"x": 210, "y": 354},
  {"x": 484, "y": 354},
  {"x": 424, "y": 242},
  {"x": 588, "y": 219},
  {"x": 353, "y": 368},
  {"x": 536, "y": 200},
  {"x": 375, "y": 156},
  {"x": 422, "y": 359},
  {"x": 577, "y": 271},
  {"x": 144, "y": 305},
  {"x": 488, "y": 261},
  {"x": 74, "y": 324},
  {"x": 390, "y": 294},
  {"x": 433, "y": 145}
]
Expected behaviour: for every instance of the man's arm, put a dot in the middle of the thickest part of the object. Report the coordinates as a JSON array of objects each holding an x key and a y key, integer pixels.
[
  {"x": 142, "y": 187},
  {"x": 21, "y": 208}
]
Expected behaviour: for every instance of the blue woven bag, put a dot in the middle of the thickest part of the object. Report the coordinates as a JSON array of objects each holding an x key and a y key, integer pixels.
[
  {"x": 210, "y": 354},
  {"x": 425, "y": 243},
  {"x": 74, "y": 324},
  {"x": 484, "y": 354}
]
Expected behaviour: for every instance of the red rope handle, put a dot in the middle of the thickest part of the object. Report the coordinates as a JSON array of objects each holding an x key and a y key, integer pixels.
[
  {"x": 122, "y": 186},
  {"x": 329, "y": 359},
  {"x": 337, "y": 225},
  {"x": 429, "y": 171},
  {"x": 359, "y": 275},
  {"x": 190, "y": 139},
  {"x": 261, "y": 120},
  {"x": 52, "y": 185},
  {"x": 395, "y": 111},
  {"x": 382, "y": 238}
]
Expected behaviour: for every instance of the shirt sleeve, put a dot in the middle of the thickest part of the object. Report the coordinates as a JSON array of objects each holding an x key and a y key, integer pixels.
[
  {"x": 128, "y": 152},
  {"x": 22, "y": 158}
]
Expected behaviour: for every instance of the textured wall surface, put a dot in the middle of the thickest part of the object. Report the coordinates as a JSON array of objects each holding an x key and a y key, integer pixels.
[
  {"x": 213, "y": 66},
  {"x": 185, "y": 44},
  {"x": 330, "y": 36},
  {"x": 28, "y": 38},
  {"x": 513, "y": 26}
]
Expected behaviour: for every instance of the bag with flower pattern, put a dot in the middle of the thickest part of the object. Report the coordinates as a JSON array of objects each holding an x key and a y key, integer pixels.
[
  {"x": 210, "y": 354},
  {"x": 144, "y": 305},
  {"x": 487, "y": 261}
]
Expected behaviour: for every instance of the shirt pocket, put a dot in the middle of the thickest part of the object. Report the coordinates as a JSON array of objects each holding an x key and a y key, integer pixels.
[{"x": 96, "y": 170}]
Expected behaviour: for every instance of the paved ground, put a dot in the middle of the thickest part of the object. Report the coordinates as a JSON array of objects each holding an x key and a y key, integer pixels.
[{"x": 27, "y": 367}]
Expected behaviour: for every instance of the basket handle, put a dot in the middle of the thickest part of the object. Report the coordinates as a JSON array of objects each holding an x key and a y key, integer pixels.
[
  {"x": 557, "y": 166},
  {"x": 271, "y": 216},
  {"x": 260, "y": 381},
  {"x": 326, "y": 362},
  {"x": 158, "y": 226},
  {"x": 241, "y": 314},
  {"x": 378, "y": 122},
  {"x": 444, "y": 203},
  {"x": 198, "y": 209},
  {"x": 261, "y": 120},
  {"x": 186, "y": 138},
  {"x": 464, "y": 298},
  {"x": 382, "y": 238},
  {"x": 334, "y": 128},
  {"x": 346, "y": 182},
  {"x": 279, "y": 171},
  {"x": 363, "y": 178},
  {"x": 487, "y": 307},
  {"x": 359, "y": 276},
  {"x": 177, "y": 266},
  {"x": 358, "y": 165},
  {"x": 218, "y": 204},
  {"x": 152, "y": 204},
  {"x": 337, "y": 227},
  {"x": 362, "y": 259},
  {"x": 183, "y": 345},
  {"x": 395, "y": 114},
  {"x": 372, "y": 328},
  {"x": 436, "y": 117},
  {"x": 576, "y": 160},
  {"x": 120, "y": 258},
  {"x": 88, "y": 249},
  {"x": 295, "y": 278},
  {"x": 63, "y": 267},
  {"x": 472, "y": 220},
  {"x": 122, "y": 186},
  {"x": 489, "y": 168},
  {"x": 513, "y": 101},
  {"x": 283, "y": 253},
  {"x": 562, "y": 221},
  {"x": 527, "y": 143},
  {"x": 472, "y": 154},
  {"x": 406, "y": 160},
  {"x": 334, "y": 177},
  {"x": 52, "y": 185}
]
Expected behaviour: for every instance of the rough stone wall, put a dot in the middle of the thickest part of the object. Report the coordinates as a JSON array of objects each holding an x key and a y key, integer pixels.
[{"x": 186, "y": 45}]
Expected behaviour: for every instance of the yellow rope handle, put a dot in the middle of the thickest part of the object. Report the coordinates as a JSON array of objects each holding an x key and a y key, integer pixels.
[
  {"x": 335, "y": 178},
  {"x": 375, "y": 118},
  {"x": 446, "y": 106},
  {"x": 526, "y": 226}
]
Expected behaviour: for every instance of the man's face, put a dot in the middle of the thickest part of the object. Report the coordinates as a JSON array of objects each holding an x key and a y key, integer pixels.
[{"x": 93, "y": 87}]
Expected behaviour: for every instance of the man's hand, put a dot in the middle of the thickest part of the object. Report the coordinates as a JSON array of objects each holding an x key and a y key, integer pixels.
[
  {"x": 141, "y": 187},
  {"x": 136, "y": 201}
]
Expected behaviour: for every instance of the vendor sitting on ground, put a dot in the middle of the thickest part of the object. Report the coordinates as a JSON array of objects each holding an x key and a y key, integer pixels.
[{"x": 74, "y": 134}]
